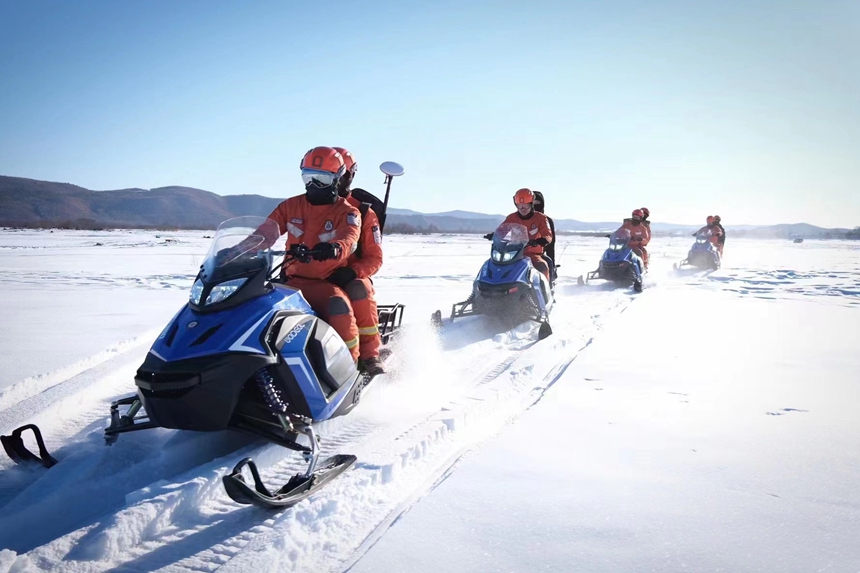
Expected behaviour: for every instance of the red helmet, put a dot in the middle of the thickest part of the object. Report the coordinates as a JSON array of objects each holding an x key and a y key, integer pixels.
[
  {"x": 645, "y": 211},
  {"x": 348, "y": 159},
  {"x": 717, "y": 219},
  {"x": 524, "y": 196},
  {"x": 637, "y": 215},
  {"x": 322, "y": 166},
  {"x": 710, "y": 219}
]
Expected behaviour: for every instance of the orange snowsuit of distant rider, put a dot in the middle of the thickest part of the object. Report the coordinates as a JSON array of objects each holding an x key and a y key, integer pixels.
[
  {"x": 306, "y": 224},
  {"x": 366, "y": 262},
  {"x": 716, "y": 233},
  {"x": 537, "y": 226},
  {"x": 640, "y": 236}
]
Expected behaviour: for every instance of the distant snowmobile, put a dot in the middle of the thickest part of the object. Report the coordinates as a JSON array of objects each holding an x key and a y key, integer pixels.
[
  {"x": 509, "y": 287},
  {"x": 246, "y": 353},
  {"x": 703, "y": 254},
  {"x": 619, "y": 263}
]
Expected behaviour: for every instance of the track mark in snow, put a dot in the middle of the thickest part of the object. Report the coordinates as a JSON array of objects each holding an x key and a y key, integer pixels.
[
  {"x": 183, "y": 520},
  {"x": 785, "y": 411},
  {"x": 75, "y": 374}
]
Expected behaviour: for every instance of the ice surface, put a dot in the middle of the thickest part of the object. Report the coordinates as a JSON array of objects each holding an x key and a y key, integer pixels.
[{"x": 482, "y": 450}]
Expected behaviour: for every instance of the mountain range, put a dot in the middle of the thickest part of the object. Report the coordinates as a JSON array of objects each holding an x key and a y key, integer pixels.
[{"x": 33, "y": 203}]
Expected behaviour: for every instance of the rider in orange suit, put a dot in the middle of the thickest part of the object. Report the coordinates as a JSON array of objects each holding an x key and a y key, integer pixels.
[
  {"x": 716, "y": 232},
  {"x": 354, "y": 278},
  {"x": 537, "y": 226},
  {"x": 322, "y": 219},
  {"x": 640, "y": 235}
]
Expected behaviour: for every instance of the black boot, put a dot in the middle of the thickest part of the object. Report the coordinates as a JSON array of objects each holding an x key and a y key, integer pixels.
[{"x": 374, "y": 366}]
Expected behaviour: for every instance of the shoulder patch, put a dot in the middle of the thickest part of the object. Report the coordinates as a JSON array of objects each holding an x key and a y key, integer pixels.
[
  {"x": 377, "y": 235},
  {"x": 352, "y": 219}
]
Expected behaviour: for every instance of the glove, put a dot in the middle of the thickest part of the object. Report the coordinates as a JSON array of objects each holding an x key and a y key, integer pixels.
[
  {"x": 489, "y": 236},
  {"x": 326, "y": 251},
  {"x": 225, "y": 256},
  {"x": 538, "y": 242},
  {"x": 342, "y": 277}
]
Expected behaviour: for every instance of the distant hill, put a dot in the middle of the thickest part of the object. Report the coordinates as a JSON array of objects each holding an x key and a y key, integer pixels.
[{"x": 29, "y": 202}]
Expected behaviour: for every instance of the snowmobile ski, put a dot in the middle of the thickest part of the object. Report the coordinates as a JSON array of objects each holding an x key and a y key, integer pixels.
[
  {"x": 15, "y": 448},
  {"x": 299, "y": 488}
]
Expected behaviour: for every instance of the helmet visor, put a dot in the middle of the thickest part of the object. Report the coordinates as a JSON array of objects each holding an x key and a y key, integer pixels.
[{"x": 319, "y": 178}]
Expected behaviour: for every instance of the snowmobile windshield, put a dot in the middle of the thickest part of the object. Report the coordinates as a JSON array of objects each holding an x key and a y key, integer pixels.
[
  {"x": 508, "y": 240},
  {"x": 241, "y": 240},
  {"x": 703, "y": 236},
  {"x": 619, "y": 239},
  {"x": 510, "y": 236}
]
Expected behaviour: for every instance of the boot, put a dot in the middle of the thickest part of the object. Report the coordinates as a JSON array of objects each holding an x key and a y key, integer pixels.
[{"x": 373, "y": 366}]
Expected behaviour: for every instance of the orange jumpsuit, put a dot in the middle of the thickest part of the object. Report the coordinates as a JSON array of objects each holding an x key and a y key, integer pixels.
[
  {"x": 366, "y": 261},
  {"x": 640, "y": 236},
  {"x": 306, "y": 224},
  {"x": 716, "y": 233},
  {"x": 538, "y": 228}
]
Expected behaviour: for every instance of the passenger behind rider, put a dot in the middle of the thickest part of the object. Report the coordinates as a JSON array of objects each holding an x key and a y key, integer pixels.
[
  {"x": 536, "y": 225},
  {"x": 540, "y": 205},
  {"x": 722, "y": 240},
  {"x": 321, "y": 218},
  {"x": 354, "y": 278},
  {"x": 640, "y": 234}
]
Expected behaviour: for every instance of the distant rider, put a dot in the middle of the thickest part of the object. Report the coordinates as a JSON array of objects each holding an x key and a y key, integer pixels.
[
  {"x": 323, "y": 219},
  {"x": 537, "y": 226},
  {"x": 640, "y": 235},
  {"x": 714, "y": 229},
  {"x": 354, "y": 278}
]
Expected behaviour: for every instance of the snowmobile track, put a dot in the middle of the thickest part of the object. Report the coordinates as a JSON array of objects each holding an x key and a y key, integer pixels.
[{"x": 190, "y": 524}]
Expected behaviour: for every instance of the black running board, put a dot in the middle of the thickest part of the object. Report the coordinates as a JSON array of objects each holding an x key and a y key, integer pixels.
[
  {"x": 297, "y": 489},
  {"x": 15, "y": 448}
]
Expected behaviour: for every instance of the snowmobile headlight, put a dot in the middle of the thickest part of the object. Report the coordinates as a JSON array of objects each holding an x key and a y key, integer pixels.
[
  {"x": 616, "y": 246},
  {"x": 224, "y": 290},
  {"x": 196, "y": 292},
  {"x": 503, "y": 257}
]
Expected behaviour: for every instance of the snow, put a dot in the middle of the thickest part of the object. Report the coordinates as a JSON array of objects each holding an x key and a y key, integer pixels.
[{"x": 704, "y": 424}]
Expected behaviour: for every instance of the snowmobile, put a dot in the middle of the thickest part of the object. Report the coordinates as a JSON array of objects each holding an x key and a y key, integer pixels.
[
  {"x": 247, "y": 353},
  {"x": 508, "y": 286},
  {"x": 703, "y": 254},
  {"x": 619, "y": 264}
]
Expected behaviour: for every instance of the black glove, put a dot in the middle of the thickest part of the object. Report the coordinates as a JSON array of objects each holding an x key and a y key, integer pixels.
[
  {"x": 225, "y": 256},
  {"x": 326, "y": 251},
  {"x": 342, "y": 277},
  {"x": 538, "y": 242},
  {"x": 489, "y": 236}
]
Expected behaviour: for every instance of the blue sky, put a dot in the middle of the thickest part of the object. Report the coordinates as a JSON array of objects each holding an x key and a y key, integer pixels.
[{"x": 747, "y": 109}]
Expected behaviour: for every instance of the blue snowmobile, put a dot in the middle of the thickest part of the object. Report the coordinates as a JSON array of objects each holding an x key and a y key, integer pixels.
[
  {"x": 247, "y": 353},
  {"x": 703, "y": 254},
  {"x": 619, "y": 264},
  {"x": 509, "y": 287}
]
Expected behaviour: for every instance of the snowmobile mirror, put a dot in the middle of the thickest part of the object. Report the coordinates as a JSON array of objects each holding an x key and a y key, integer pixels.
[{"x": 392, "y": 169}]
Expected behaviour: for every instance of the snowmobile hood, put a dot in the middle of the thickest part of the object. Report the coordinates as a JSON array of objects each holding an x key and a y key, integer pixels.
[
  {"x": 497, "y": 274},
  {"x": 237, "y": 329}
]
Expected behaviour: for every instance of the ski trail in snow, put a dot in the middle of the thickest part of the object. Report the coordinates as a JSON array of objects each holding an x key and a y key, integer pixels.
[
  {"x": 406, "y": 434},
  {"x": 17, "y": 393},
  {"x": 446, "y": 469}
]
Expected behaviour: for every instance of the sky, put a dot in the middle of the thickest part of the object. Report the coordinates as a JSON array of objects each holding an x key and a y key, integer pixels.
[{"x": 746, "y": 109}]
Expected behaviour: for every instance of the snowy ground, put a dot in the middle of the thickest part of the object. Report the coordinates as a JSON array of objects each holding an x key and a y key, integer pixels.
[{"x": 705, "y": 424}]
